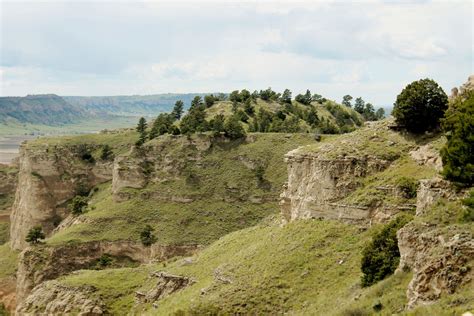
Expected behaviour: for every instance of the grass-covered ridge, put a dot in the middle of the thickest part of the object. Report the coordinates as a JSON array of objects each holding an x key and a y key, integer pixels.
[
  {"x": 220, "y": 193},
  {"x": 304, "y": 268}
]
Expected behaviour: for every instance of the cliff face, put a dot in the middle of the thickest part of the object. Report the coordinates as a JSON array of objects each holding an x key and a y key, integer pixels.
[
  {"x": 39, "y": 264},
  {"x": 157, "y": 162},
  {"x": 47, "y": 180},
  {"x": 53, "y": 298},
  {"x": 315, "y": 184},
  {"x": 440, "y": 256}
]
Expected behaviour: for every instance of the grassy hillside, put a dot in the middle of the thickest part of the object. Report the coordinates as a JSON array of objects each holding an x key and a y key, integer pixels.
[
  {"x": 341, "y": 117},
  {"x": 216, "y": 195},
  {"x": 304, "y": 268}
]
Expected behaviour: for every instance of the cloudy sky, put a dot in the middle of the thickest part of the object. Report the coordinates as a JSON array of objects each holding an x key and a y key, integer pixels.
[{"x": 365, "y": 48}]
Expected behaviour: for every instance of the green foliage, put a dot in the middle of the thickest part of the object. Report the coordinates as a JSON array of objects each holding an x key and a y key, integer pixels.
[
  {"x": 84, "y": 153},
  {"x": 408, "y": 187},
  {"x": 286, "y": 96},
  {"x": 241, "y": 116},
  {"x": 163, "y": 124},
  {"x": 106, "y": 152},
  {"x": 249, "y": 109},
  {"x": 381, "y": 256},
  {"x": 105, "y": 260},
  {"x": 196, "y": 102},
  {"x": 468, "y": 213},
  {"x": 209, "y": 100},
  {"x": 141, "y": 129},
  {"x": 304, "y": 98},
  {"x": 142, "y": 125},
  {"x": 147, "y": 237},
  {"x": 259, "y": 172},
  {"x": 35, "y": 235},
  {"x": 233, "y": 129},
  {"x": 420, "y": 106},
  {"x": 178, "y": 109},
  {"x": 359, "y": 105},
  {"x": 380, "y": 114},
  {"x": 78, "y": 204},
  {"x": 312, "y": 117},
  {"x": 4, "y": 232},
  {"x": 268, "y": 95},
  {"x": 346, "y": 100},
  {"x": 458, "y": 153},
  {"x": 194, "y": 121},
  {"x": 217, "y": 124}
]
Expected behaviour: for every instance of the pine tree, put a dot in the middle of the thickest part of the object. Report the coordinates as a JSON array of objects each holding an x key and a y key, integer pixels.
[
  {"x": 178, "y": 109},
  {"x": 35, "y": 234}
]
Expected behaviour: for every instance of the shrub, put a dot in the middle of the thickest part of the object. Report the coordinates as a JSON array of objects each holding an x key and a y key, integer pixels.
[
  {"x": 259, "y": 172},
  {"x": 104, "y": 260},
  {"x": 407, "y": 187},
  {"x": 78, "y": 204},
  {"x": 381, "y": 256},
  {"x": 458, "y": 153},
  {"x": 233, "y": 129},
  {"x": 106, "y": 152},
  {"x": 35, "y": 235},
  {"x": 85, "y": 154},
  {"x": 420, "y": 106},
  {"x": 146, "y": 236},
  {"x": 468, "y": 214}
]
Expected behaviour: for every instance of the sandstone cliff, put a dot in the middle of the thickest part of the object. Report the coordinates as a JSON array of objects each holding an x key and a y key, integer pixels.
[
  {"x": 49, "y": 177},
  {"x": 321, "y": 177},
  {"x": 440, "y": 255}
]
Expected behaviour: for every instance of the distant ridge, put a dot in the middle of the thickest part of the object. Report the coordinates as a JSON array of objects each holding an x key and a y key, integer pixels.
[
  {"x": 131, "y": 105},
  {"x": 47, "y": 109}
]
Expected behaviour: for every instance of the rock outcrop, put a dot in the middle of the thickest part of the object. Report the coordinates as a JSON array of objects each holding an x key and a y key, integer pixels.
[
  {"x": 440, "y": 261},
  {"x": 162, "y": 160},
  {"x": 49, "y": 177},
  {"x": 316, "y": 183},
  {"x": 166, "y": 285},
  {"x": 42, "y": 263},
  {"x": 8, "y": 180},
  {"x": 53, "y": 298},
  {"x": 440, "y": 257},
  {"x": 432, "y": 190}
]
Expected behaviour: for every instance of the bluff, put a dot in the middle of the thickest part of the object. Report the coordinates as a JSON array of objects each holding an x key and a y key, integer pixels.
[{"x": 47, "y": 109}]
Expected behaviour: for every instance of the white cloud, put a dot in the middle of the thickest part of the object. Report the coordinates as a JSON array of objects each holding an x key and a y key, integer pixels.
[{"x": 331, "y": 47}]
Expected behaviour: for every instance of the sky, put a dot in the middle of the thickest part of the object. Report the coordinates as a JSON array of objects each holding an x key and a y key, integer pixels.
[{"x": 370, "y": 48}]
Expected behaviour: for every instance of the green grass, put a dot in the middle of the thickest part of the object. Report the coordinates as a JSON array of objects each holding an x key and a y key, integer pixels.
[
  {"x": 226, "y": 194},
  {"x": 273, "y": 270},
  {"x": 8, "y": 261},
  {"x": 375, "y": 140},
  {"x": 4, "y": 232},
  {"x": 369, "y": 193},
  {"x": 116, "y": 287}
]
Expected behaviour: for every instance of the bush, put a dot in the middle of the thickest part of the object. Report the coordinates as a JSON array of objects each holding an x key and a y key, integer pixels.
[
  {"x": 106, "y": 153},
  {"x": 233, "y": 129},
  {"x": 85, "y": 154},
  {"x": 468, "y": 214},
  {"x": 78, "y": 204},
  {"x": 104, "y": 260},
  {"x": 408, "y": 187},
  {"x": 35, "y": 235},
  {"x": 146, "y": 236},
  {"x": 458, "y": 153},
  {"x": 420, "y": 106},
  {"x": 381, "y": 256}
]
